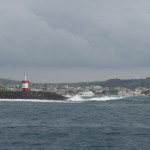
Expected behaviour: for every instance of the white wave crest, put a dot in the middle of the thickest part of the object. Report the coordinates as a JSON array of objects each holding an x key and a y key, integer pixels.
[
  {"x": 77, "y": 98},
  {"x": 106, "y": 98},
  {"x": 29, "y": 100}
]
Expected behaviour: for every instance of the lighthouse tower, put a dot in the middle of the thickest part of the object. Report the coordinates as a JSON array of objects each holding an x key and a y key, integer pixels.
[{"x": 25, "y": 85}]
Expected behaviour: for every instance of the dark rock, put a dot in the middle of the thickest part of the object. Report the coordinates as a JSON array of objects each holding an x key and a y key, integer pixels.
[{"x": 31, "y": 95}]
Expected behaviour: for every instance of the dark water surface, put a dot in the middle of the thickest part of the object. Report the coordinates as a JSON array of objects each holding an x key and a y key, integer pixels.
[{"x": 109, "y": 125}]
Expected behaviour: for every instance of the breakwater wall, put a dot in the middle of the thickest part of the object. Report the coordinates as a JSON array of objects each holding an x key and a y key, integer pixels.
[{"x": 31, "y": 95}]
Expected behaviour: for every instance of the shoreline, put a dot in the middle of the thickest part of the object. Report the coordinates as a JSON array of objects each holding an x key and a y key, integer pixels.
[{"x": 32, "y": 96}]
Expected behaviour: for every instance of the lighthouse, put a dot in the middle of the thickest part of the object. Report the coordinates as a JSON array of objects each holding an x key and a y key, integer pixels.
[{"x": 25, "y": 85}]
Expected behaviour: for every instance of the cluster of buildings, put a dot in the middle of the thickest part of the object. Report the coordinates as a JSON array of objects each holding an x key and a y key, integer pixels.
[
  {"x": 67, "y": 90},
  {"x": 101, "y": 91}
]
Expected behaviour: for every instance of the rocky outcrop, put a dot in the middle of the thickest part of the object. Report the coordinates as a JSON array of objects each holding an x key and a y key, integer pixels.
[{"x": 31, "y": 95}]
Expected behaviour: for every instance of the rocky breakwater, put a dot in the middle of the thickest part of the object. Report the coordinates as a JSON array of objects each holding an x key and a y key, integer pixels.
[{"x": 31, "y": 95}]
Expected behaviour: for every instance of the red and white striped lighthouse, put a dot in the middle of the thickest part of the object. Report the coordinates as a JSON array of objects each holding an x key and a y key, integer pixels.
[{"x": 25, "y": 85}]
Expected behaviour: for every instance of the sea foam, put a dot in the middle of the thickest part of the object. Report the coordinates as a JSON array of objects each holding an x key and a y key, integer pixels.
[
  {"x": 28, "y": 100},
  {"x": 78, "y": 98},
  {"x": 75, "y": 98}
]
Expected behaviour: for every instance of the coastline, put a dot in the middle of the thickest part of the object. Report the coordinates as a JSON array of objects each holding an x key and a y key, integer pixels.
[{"x": 31, "y": 95}]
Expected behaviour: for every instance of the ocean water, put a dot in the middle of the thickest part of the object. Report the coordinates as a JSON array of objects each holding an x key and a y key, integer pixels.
[{"x": 108, "y": 123}]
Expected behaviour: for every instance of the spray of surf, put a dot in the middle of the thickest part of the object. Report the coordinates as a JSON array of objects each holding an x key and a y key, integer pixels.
[
  {"x": 78, "y": 98},
  {"x": 75, "y": 98},
  {"x": 31, "y": 100}
]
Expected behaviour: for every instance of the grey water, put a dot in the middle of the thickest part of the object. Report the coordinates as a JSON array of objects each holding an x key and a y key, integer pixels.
[{"x": 122, "y": 124}]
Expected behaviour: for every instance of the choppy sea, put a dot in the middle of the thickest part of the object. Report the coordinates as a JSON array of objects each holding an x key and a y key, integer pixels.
[{"x": 107, "y": 123}]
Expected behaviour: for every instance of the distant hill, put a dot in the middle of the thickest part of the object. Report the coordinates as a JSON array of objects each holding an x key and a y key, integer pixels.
[
  {"x": 131, "y": 84},
  {"x": 112, "y": 83},
  {"x": 8, "y": 81}
]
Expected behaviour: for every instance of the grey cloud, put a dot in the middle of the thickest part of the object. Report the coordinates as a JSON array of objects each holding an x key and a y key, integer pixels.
[{"x": 95, "y": 34}]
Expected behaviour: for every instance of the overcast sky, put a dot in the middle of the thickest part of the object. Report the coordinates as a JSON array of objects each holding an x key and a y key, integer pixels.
[{"x": 74, "y": 40}]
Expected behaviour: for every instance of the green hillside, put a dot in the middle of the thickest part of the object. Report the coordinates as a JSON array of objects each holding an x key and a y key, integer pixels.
[
  {"x": 112, "y": 83},
  {"x": 8, "y": 81}
]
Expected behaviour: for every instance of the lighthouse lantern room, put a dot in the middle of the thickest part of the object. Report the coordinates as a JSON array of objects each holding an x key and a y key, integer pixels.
[{"x": 25, "y": 85}]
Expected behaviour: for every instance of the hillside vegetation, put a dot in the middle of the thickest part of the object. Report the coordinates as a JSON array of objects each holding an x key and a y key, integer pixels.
[
  {"x": 112, "y": 83},
  {"x": 8, "y": 81}
]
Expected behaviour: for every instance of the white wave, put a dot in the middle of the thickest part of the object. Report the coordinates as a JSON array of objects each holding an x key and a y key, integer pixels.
[
  {"x": 106, "y": 98},
  {"x": 28, "y": 100},
  {"x": 78, "y": 98},
  {"x": 75, "y": 98}
]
